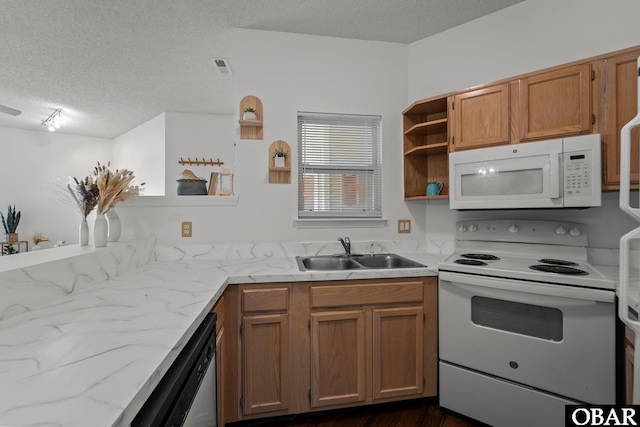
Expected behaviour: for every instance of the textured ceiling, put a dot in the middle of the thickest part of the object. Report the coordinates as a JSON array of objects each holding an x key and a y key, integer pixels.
[{"x": 112, "y": 65}]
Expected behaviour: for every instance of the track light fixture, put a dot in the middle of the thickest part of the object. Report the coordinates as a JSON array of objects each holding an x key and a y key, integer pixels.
[{"x": 54, "y": 121}]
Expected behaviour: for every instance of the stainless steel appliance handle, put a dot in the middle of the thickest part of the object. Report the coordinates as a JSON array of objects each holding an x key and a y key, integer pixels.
[{"x": 551, "y": 290}]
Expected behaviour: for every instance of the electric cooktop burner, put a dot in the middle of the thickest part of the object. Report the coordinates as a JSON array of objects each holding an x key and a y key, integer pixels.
[
  {"x": 484, "y": 257},
  {"x": 559, "y": 269},
  {"x": 469, "y": 261},
  {"x": 556, "y": 261}
]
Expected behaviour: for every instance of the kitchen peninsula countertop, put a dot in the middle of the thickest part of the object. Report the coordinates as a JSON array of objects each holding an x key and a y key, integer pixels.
[{"x": 94, "y": 356}]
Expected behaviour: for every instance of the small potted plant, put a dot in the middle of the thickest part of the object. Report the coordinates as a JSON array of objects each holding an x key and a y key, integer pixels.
[
  {"x": 279, "y": 157},
  {"x": 249, "y": 114},
  {"x": 10, "y": 224}
]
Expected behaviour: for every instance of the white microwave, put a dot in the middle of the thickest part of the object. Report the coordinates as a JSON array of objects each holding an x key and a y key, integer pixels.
[{"x": 558, "y": 173}]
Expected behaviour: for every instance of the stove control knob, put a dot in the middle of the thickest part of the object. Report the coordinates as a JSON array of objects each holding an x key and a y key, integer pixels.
[
  {"x": 462, "y": 228},
  {"x": 575, "y": 231},
  {"x": 513, "y": 228},
  {"x": 473, "y": 228},
  {"x": 561, "y": 230}
]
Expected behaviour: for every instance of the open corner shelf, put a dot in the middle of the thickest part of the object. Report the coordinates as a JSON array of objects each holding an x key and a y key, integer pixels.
[{"x": 426, "y": 146}]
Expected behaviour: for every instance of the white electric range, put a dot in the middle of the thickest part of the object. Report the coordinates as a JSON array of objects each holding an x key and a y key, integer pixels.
[{"x": 526, "y": 324}]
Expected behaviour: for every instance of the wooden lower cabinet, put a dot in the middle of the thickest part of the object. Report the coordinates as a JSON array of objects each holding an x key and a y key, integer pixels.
[
  {"x": 265, "y": 370},
  {"x": 398, "y": 352},
  {"x": 311, "y": 346},
  {"x": 629, "y": 341},
  {"x": 337, "y": 357}
]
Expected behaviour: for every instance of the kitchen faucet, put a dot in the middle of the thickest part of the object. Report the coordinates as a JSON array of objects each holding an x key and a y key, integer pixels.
[{"x": 346, "y": 244}]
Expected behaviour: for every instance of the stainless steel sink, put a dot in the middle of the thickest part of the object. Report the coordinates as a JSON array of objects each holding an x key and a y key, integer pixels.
[
  {"x": 326, "y": 263},
  {"x": 348, "y": 262}
]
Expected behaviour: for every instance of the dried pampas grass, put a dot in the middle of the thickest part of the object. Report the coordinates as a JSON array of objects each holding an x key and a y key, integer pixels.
[
  {"x": 84, "y": 194},
  {"x": 113, "y": 187}
]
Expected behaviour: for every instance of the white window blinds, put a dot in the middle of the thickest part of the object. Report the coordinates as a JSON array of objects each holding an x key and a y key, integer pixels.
[{"x": 339, "y": 166}]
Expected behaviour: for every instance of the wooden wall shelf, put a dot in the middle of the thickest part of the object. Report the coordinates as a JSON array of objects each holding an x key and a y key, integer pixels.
[
  {"x": 282, "y": 174},
  {"x": 251, "y": 129},
  {"x": 426, "y": 144}
]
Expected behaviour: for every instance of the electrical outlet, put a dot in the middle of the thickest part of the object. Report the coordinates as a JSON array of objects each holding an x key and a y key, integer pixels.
[
  {"x": 404, "y": 226},
  {"x": 187, "y": 229}
]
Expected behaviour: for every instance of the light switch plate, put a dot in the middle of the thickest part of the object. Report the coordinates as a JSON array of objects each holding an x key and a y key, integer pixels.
[
  {"x": 187, "y": 229},
  {"x": 404, "y": 226}
]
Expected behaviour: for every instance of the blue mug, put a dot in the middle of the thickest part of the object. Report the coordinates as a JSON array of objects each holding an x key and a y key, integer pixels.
[{"x": 434, "y": 188}]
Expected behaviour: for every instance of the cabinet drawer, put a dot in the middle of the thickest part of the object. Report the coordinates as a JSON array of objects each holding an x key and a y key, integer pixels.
[
  {"x": 271, "y": 299},
  {"x": 346, "y": 295}
]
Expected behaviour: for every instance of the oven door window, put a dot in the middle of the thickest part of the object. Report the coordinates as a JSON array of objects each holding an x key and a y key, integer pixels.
[{"x": 525, "y": 319}]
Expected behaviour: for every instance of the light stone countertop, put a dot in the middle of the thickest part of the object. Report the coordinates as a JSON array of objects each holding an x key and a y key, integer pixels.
[{"x": 93, "y": 357}]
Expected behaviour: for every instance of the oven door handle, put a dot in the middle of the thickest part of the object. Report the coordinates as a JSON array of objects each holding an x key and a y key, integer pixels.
[{"x": 553, "y": 290}]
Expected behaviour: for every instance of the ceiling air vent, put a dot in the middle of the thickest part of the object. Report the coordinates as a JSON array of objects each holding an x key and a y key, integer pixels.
[{"x": 222, "y": 65}]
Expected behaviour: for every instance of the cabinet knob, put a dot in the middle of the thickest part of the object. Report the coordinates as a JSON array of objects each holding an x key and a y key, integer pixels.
[
  {"x": 473, "y": 227},
  {"x": 575, "y": 231},
  {"x": 513, "y": 228},
  {"x": 462, "y": 228}
]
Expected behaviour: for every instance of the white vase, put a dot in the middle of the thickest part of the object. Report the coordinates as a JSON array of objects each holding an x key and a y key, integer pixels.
[
  {"x": 248, "y": 115},
  {"x": 83, "y": 233},
  {"x": 115, "y": 226},
  {"x": 100, "y": 230},
  {"x": 278, "y": 162}
]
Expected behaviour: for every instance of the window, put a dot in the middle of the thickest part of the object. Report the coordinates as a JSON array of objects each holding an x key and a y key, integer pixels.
[{"x": 339, "y": 166}]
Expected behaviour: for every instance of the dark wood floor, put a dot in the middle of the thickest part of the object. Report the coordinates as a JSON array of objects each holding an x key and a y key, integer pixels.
[{"x": 410, "y": 414}]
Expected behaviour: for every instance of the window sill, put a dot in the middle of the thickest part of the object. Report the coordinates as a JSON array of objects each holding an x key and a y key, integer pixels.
[
  {"x": 159, "y": 201},
  {"x": 340, "y": 223}
]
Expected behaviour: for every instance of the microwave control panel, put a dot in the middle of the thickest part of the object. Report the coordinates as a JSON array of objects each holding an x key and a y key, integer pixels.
[{"x": 578, "y": 174}]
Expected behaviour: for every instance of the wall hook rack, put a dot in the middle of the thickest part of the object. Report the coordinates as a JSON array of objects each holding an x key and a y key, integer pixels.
[{"x": 197, "y": 162}]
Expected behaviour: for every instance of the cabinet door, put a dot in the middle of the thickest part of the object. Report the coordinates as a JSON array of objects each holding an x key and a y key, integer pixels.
[
  {"x": 266, "y": 363},
  {"x": 621, "y": 105},
  {"x": 481, "y": 118},
  {"x": 397, "y": 352},
  {"x": 337, "y": 358},
  {"x": 629, "y": 338},
  {"x": 556, "y": 103}
]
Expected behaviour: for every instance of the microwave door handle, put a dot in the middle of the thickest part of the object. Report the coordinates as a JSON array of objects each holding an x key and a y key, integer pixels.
[
  {"x": 625, "y": 161},
  {"x": 554, "y": 178}
]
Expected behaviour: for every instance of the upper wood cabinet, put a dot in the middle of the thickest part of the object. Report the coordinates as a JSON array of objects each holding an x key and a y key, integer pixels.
[
  {"x": 620, "y": 106},
  {"x": 556, "y": 103},
  {"x": 481, "y": 118}
]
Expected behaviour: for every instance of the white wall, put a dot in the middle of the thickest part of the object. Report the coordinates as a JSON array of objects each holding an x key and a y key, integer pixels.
[
  {"x": 289, "y": 73},
  {"x": 529, "y": 36},
  {"x": 142, "y": 150},
  {"x": 202, "y": 136},
  {"x": 32, "y": 161}
]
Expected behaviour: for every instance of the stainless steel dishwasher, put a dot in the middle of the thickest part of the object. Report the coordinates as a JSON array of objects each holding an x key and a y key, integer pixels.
[{"x": 186, "y": 395}]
